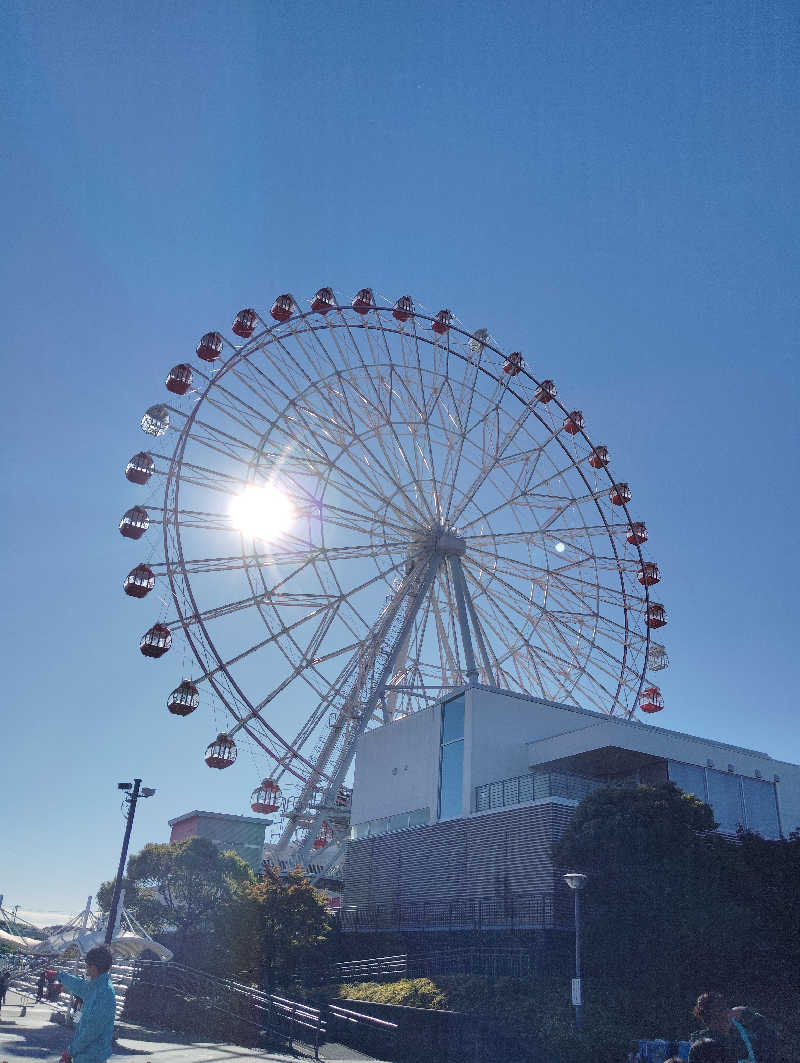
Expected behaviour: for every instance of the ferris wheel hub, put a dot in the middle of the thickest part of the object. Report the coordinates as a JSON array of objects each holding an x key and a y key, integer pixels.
[{"x": 448, "y": 544}]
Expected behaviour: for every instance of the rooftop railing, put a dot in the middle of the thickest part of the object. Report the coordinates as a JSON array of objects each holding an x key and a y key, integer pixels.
[{"x": 534, "y": 786}]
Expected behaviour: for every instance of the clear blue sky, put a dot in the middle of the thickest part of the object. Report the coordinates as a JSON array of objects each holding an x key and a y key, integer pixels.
[{"x": 610, "y": 187}]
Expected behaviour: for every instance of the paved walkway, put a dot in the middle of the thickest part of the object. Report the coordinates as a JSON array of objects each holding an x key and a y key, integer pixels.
[{"x": 33, "y": 1037}]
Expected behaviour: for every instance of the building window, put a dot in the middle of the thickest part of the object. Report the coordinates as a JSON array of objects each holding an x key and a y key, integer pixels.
[
  {"x": 388, "y": 824},
  {"x": 690, "y": 778},
  {"x": 451, "y": 761},
  {"x": 735, "y": 800},
  {"x": 761, "y": 807},
  {"x": 725, "y": 797}
]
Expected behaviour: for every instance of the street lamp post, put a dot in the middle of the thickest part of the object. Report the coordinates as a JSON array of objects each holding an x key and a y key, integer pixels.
[
  {"x": 576, "y": 881},
  {"x": 133, "y": 794}
]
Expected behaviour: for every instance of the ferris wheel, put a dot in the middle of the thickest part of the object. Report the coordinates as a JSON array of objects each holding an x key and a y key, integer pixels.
[{"x": 361, "y": 507}]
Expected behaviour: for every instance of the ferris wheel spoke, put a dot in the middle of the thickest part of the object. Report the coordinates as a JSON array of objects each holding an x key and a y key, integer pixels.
[
  {"x": 559, "y": 473},
  {"x": 451, "y": 468},
  {"x": 556, "y": 502},
  {"x": 236, "y": 409},
  {"x": 573, "y": 585},
  {"x": 358, "y": 522},
  {"x": 604, "y": 659},
  {"x": 309, "y": 601},
  {"x": 335, "y": 471},
  {"x": 501, "y": 446},
  {"x": 515, "y": 599},
  {"x": 565, "y": 534},
  {"x": 602, "y": 594},
  {"x": 411, "y": 412},
  {"x": 304, "y": 553},
  {"x": 427, "y": 453},
  {"x": 226, "y": 665},
  {"x": 612, "y": 628},
  {"x": 579, "y": 670}
]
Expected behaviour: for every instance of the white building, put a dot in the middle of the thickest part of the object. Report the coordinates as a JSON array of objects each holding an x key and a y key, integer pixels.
[{"x": 460, "y": 804}]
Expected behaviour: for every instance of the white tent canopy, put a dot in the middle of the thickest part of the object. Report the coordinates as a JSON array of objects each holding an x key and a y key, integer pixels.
[{"x": 129, "y": 941}]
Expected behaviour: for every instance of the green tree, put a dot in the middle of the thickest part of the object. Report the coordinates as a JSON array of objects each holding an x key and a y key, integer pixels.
[
  {"x": 275, "y": 922},
  {"x": 180, "y": 886},
  {"x": 658, "y": 903},
  {"x": 143, "y": 904},
  {"x": 672, "y": 909}
]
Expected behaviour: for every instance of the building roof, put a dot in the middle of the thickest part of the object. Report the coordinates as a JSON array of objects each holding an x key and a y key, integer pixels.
[
  {"x": 262, "y": 821},
  {"x": 640, "y": 725}
]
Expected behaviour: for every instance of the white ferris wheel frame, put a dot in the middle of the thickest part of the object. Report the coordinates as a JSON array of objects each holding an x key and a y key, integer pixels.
[{"x": 441, "y": 553}]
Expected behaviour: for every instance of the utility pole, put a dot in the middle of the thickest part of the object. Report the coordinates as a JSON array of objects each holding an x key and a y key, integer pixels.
[{"x": 131, "y": 798}]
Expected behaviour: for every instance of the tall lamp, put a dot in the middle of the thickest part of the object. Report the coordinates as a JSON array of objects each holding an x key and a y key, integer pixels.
[
  {"x": 576, "y": 881},
  {"x": 132, "y": 795}
]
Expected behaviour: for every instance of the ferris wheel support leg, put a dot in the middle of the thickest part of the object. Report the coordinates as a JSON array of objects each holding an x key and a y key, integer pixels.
[
  {"x": 345, "y": 760},
  {"x": 461, "y": 607},
  {"x": 476, "y": 626}
]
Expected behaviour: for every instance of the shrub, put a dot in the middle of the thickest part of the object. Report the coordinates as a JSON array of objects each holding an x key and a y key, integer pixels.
[{"x": 407, "y": 992}]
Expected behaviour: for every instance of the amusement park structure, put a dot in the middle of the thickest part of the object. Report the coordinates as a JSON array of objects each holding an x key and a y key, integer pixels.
[
  {"x": 362, "y": 507},
  {"x": 128, "y": 939}
]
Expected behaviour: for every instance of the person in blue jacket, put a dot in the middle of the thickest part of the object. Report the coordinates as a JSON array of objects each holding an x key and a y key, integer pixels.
[{"x": 92, "y": 1040}]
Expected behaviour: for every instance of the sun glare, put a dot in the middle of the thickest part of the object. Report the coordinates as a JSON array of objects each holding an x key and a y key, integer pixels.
[{"x": 262, "y": 512}]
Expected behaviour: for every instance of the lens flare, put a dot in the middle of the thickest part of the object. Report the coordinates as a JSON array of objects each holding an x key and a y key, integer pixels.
[{"x": 262, "y": 512}]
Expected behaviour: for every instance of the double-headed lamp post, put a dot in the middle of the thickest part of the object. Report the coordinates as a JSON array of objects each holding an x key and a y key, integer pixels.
[
  {"x": 576, "y": 881},
  {"x": 133, "y": 793}
]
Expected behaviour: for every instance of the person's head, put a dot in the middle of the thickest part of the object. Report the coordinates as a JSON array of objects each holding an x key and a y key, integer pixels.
[
  {"x": 706, "y": 1051},
  {"x": 713, "y": 1010},
  {"x": 98, "y": 960}
]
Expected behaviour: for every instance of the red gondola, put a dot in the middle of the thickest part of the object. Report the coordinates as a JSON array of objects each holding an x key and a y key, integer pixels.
[
  {"x": 221, "y": 753},
  {"x": 573, "y": 422},
  {"x": 266, "y": 797},
  {"x": 620, "y": 495},
  {"x": 651, "y": 700},
  {"x": 656, "y": 615},
  {"x": 179, "y": 379},
  {"x": 184, "y": 699},
  {"x": 598, "y": 459},
  {"x": 637, "y": 533},
  {"x": 513, "y": 364},
  {"x": 363, "y": 301},
  {"x": 244, "y": 324},
  {"x": 442, "y": 322},
  {"x": 139, "y": 581},
  {"x": 403, "y": 308},
  {"x": 135, "y": 522},
  {"x": 546, "y": 391},
  {"x": 648, "y": 574},
  {"x": 156, "y": 641},
  {"x": 325, "y": 837},
  {"x": 323, "y": 301},
  {"x": 140, "y": 468},
  {"x": 210, "y": 347},
  {"x": 282, "y": 308}
]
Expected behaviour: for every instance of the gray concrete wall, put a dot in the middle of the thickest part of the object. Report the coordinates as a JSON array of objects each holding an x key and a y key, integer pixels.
[{"x": 397, "y": 768}]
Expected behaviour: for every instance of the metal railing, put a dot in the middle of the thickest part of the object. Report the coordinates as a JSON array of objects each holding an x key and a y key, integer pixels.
[
  {"x": 534, "y": 786},
  {"x": 369, "y": 970},
  {"x": 486, "y": 961},
  {"x": 244, "y": 1006}
]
